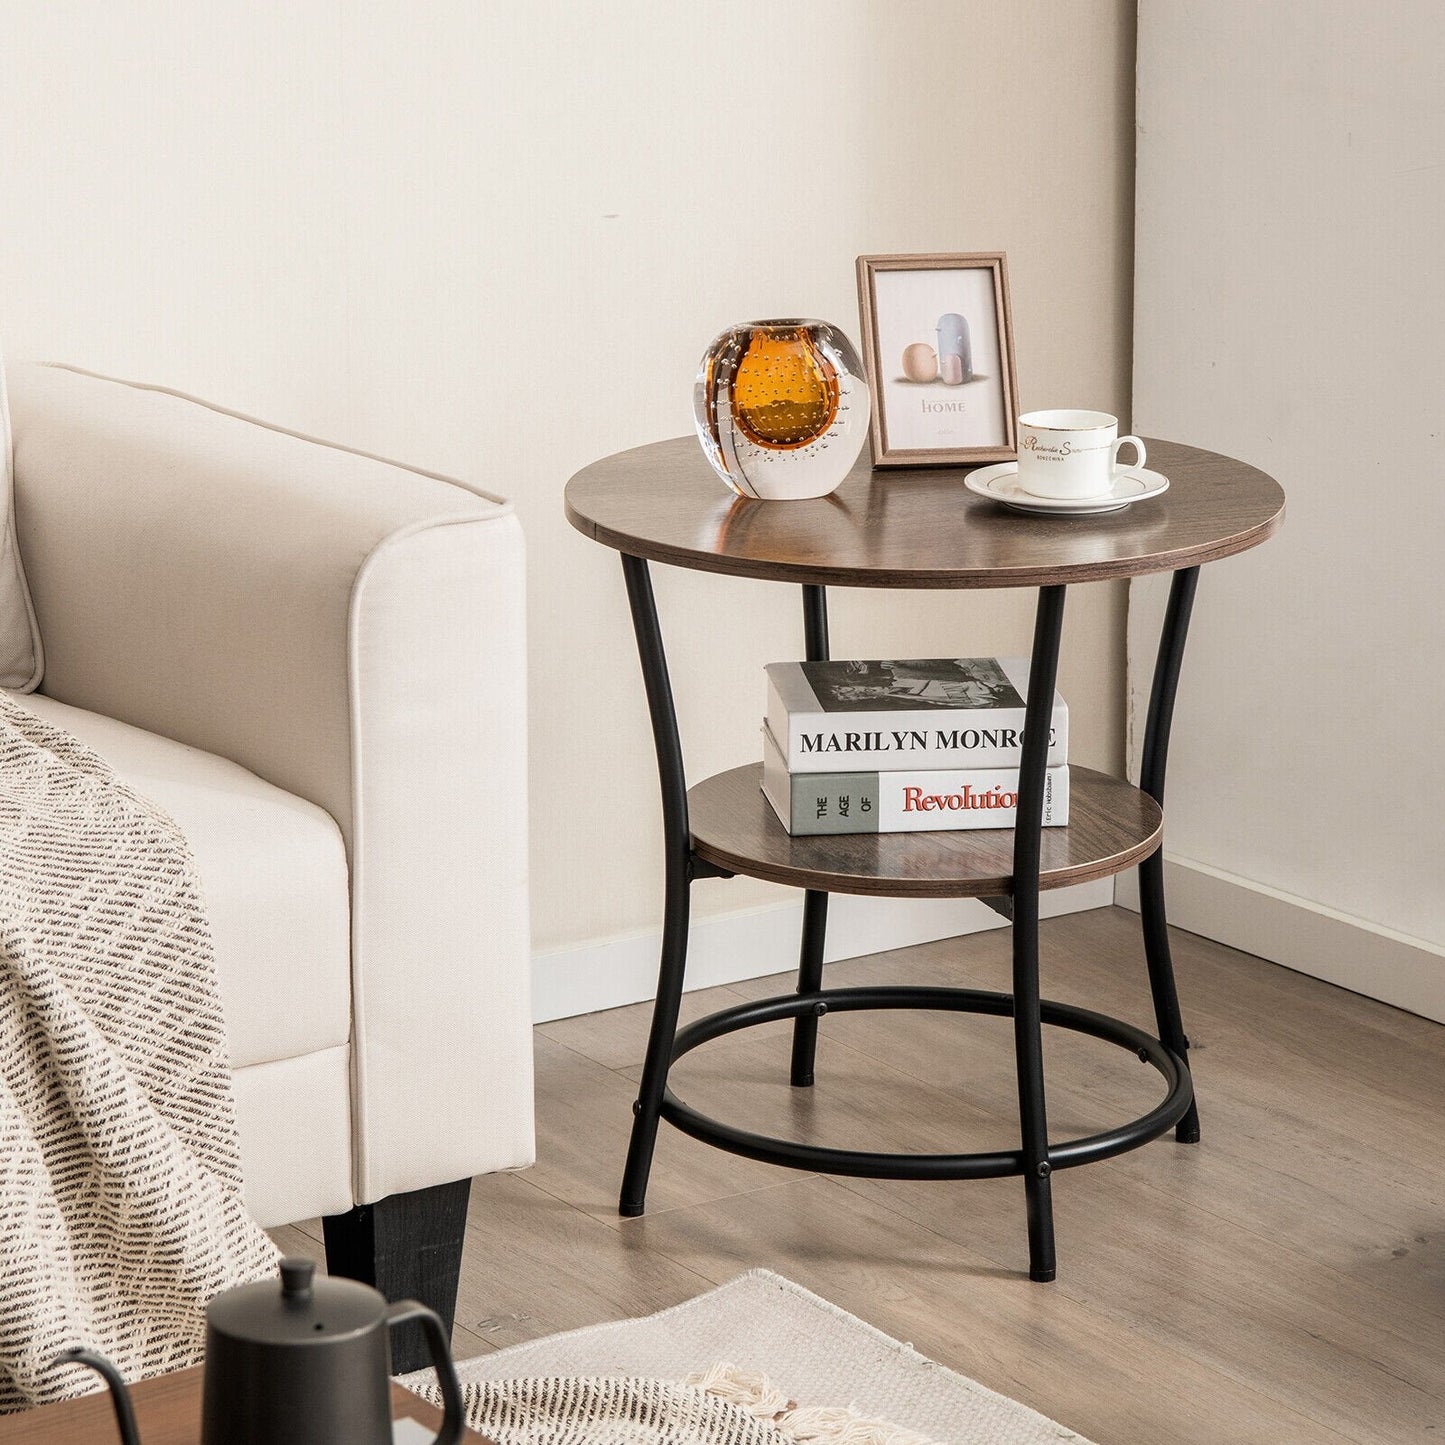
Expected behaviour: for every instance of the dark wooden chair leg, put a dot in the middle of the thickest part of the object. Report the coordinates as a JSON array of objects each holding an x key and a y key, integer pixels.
[{"x": 409, "y": 1246}]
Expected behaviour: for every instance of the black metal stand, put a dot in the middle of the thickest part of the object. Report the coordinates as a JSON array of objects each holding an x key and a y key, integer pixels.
[
  {"x": 815, "y": 903},
  {"x": 1027, "y": 1011},
  {"x": 1151, "y": 870},
  {"x": 1036, "y": 1158},
  {"x": 679, "y": 865}
]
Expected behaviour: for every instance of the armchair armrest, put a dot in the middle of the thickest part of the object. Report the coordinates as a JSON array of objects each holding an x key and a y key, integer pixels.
[{"x": 352, "y": 631}]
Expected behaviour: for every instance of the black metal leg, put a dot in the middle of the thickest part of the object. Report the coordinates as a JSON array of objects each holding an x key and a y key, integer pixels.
[
  {"x": 409, "y": 1246},
  {"x": 1028, "y": 840},
  {"x": 815, "y": 904},
  {"x": 678, "y": 850},
  {"x": 810, "y": 980},
  {"x": 1151, "y": 871}
]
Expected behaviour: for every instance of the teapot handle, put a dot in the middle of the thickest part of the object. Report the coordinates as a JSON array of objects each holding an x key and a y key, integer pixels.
[
  {"x": 453, "y": 1421},
  {"x": 119, "y": 1395}
]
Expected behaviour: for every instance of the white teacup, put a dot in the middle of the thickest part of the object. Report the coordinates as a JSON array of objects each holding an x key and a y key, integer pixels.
[{"x": 1072, "y": 454}]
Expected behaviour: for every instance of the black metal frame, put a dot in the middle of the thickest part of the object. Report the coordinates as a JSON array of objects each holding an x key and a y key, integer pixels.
[{"x": 1036, "y": 1158}]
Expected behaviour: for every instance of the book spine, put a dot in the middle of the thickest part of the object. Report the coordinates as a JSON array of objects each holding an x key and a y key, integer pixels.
[
  {"x": 911, "y": 801},
  {"x": 923, "y": 741}
]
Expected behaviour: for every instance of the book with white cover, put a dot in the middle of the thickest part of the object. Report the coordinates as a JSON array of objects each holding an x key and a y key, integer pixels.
[
  {"x": 902, "y": 801},
  {"x": 963, "y": 712}
]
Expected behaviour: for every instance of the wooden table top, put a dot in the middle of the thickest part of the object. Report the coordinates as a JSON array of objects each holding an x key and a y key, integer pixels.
[
  {"x": 916, "y": 526},
  {"x": 167, "y": 1412}
]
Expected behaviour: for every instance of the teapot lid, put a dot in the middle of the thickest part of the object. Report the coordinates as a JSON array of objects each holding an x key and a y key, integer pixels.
[{"x": 304, "y": 1310}]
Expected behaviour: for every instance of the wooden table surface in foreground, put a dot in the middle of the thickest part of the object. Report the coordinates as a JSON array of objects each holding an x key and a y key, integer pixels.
[{"x": 167, "y": 1412}]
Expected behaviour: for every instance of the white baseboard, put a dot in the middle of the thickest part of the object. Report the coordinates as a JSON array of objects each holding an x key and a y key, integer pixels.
[
  {"x": 1363, "y": 957},
  {"x": 730, "y": 947}
]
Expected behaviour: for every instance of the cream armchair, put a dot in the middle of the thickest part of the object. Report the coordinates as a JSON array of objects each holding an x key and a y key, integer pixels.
[{"x": 314, "y": 660}]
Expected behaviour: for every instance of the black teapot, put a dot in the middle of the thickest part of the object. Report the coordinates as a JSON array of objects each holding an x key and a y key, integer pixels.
[{"x": 308, "y": 1364}]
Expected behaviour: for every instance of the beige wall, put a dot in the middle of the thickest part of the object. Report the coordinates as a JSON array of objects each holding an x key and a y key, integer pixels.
[
  {"x": 1291, "y": 311},
  {"x": 494, "y": 240}
]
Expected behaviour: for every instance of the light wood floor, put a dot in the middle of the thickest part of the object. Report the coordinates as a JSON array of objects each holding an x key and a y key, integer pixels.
[{"x": 1283, "y": 1281}]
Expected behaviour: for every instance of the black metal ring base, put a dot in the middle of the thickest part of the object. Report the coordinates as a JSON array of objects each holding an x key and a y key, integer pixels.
[{"x": 986, "y": 1165}]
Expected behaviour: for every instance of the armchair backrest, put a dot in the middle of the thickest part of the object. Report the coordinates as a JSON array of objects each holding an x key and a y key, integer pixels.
[{"x": 200, "y": 575}]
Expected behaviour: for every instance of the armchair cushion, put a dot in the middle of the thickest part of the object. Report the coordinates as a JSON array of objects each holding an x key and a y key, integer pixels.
[
  {"x": 20, "y": 656},
  {"x": 273, "y": 872},
  {"x": 274, "y": 883}
]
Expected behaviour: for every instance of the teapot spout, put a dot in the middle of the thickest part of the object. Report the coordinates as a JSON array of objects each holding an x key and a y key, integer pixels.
[{"x": 119, "y": 1395}]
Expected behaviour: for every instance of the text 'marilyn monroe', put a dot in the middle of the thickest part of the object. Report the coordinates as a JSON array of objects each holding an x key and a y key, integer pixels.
[{"x": 913, "y": 740}]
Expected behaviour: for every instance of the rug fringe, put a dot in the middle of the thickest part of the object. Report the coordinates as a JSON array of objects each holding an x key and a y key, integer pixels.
[
  {"x": 808, "y": 1425},
  {"x": 746, "y": 1389}
]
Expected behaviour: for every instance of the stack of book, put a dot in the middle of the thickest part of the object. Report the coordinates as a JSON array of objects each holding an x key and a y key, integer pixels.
[{"x": 899, "y": 747}]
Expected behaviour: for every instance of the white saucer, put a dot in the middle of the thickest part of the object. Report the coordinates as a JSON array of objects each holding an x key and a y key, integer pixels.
[{"x": 1001, "y": 482}]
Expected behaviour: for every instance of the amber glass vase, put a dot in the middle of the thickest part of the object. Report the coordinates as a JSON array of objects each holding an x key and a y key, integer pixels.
[{"x": 781, "y": 408}]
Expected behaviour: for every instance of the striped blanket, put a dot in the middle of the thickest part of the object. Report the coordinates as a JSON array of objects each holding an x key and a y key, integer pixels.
[{"x": 120, "y": 1202}]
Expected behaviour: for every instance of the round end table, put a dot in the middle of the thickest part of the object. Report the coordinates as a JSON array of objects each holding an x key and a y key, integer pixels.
[{"x": 919, "y": 528}]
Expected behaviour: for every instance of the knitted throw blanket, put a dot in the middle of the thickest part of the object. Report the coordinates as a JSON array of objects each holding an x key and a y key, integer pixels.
[{"x": 120, "y": 1180}]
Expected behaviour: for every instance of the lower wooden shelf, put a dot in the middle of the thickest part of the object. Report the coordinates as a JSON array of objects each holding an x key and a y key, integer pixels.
[{"x": 1113, "y": 826}]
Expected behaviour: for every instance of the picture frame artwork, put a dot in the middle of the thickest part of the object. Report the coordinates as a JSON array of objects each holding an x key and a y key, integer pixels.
[{"x": 938, "y": 349}]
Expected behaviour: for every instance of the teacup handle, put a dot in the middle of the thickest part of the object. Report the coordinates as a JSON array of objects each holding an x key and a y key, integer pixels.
[
  {"x": 453, "y": 1417},
  {"x": 1138, "y": 446}
]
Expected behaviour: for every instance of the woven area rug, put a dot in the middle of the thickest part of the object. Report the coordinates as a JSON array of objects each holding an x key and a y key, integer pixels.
[{"x": 627, "y": 1383}]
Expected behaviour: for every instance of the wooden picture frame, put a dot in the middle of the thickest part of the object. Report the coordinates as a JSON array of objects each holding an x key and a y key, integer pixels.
[{"x": 938, "y": 350}]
